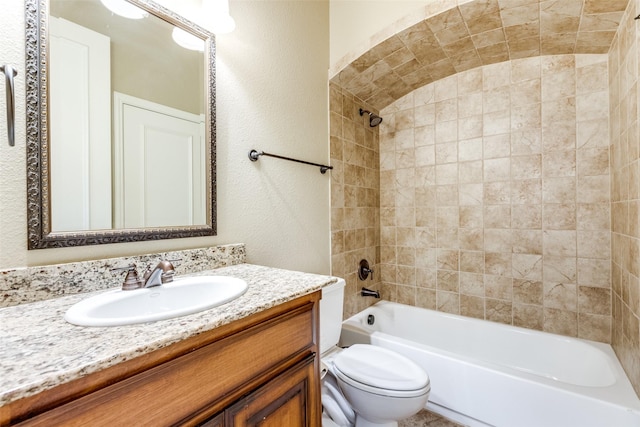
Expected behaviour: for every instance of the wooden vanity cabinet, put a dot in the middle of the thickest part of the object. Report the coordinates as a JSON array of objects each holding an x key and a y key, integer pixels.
[
  {"x": 263, "y": 369},
  {"x": 283, "y": 402}
]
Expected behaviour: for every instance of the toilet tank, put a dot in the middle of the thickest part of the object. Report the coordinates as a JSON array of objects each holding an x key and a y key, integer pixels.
[{"x": 331, "y": 314}]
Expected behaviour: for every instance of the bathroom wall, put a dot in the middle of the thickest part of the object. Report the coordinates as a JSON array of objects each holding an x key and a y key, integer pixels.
[
  {"x": 352, "y": 23},
  {"x": 495, "y": 195},
  {"x": 625, "y": 192},
  {"x": 271, "y": 95},
  {"x": 355, "y": 201}
]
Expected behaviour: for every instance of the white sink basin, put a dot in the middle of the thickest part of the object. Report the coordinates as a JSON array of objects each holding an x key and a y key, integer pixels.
[{"x": 183, "y": 296}]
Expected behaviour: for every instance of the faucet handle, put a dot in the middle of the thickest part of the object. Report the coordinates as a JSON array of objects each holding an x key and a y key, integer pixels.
[
  {"x": 168, "y": 270},
  {"x": 146, "y": 274},
  {"x": 131, "y": 280},
  {"x": 167, "y": 276},
  {"x": 364, "y": 271}
]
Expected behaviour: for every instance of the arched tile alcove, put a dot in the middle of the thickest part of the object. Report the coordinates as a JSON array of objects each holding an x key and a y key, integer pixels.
[
  {"x": 527, "y": 33},
  {"x": 477, "y": 33}
]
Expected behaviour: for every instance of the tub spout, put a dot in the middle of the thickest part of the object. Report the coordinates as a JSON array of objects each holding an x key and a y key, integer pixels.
[{"x": 369, "y": 293}]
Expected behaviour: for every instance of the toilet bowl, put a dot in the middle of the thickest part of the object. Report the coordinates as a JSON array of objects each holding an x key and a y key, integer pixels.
[
  {"x": 377, "y": 384},
  {"x": 381, "y": 386}
]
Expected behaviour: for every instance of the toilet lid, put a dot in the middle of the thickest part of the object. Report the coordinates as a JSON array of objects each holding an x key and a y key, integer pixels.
[{"x": 380, "y": 368}]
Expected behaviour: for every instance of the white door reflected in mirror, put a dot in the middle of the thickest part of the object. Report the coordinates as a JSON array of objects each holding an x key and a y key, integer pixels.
[
  {"x": 158, "y": 165},
  {"x": 81, "y": 119}
]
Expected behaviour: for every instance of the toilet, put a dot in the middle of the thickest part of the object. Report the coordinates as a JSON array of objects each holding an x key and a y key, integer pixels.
[{"x": 364, "y": 385}]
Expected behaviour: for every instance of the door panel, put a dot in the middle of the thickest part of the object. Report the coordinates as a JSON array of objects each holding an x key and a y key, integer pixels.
[
  {"x": 285, "y": 401},
  {"x": 159, "y": 166},
  {"x": 80, "y": 149}
]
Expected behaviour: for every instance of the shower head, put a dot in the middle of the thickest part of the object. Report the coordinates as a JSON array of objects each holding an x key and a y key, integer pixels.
[{"x": 374, "y": 120}]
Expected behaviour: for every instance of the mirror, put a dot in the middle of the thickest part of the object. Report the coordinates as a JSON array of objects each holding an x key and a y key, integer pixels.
[{"x": 120, "y": 124}]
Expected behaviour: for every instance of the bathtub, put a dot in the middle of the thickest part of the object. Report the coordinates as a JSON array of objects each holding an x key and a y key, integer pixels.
[{"x": 489, "y": 374}]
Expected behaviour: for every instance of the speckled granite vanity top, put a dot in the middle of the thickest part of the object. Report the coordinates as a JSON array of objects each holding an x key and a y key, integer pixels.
[{"x": 39, "y": 350}]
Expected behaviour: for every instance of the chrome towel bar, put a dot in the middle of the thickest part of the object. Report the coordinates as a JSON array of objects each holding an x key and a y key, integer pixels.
[
  {"x": 254, "y": 155},
  {"x": 10, "y": 73}
]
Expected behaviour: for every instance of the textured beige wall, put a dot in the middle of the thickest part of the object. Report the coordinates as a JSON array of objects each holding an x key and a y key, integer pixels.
[
  {"x": 271, "y": 95},
  {"x": 494, "y": 195},
  {"x": 13, "y": 182},
  {"x": 625, "y": 193}
]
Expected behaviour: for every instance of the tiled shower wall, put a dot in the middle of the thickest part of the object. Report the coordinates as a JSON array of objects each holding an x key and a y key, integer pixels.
[
  {"x": 494, "y": 195},
  {"x": 355, "y": 196},
  {"x": 625, "y": 192}
]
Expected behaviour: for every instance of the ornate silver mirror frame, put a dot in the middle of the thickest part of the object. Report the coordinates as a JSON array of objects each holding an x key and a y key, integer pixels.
[{"x": 37, "y": 112}]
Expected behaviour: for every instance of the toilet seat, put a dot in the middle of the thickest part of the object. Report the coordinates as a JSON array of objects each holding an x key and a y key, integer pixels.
[{"x": 380, "y": 371}]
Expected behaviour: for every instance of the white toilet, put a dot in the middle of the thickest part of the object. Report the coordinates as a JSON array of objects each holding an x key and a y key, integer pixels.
[{"x": 379, "y": 385}]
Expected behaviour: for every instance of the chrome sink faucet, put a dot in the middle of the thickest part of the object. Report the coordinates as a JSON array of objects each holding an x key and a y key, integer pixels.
[{"x": 163, "y": 273}]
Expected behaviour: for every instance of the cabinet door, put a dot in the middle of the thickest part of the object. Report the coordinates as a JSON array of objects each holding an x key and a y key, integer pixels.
[
  {"x": 217, "y": 421},
  {"x": 286, "y": 400}
]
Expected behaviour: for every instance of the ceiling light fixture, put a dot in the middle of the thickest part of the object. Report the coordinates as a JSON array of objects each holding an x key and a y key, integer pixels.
[
  {"x": 215, "y": 16},
  {"x": 187, "y": 40},
  {"x": 124, "y": 8}
]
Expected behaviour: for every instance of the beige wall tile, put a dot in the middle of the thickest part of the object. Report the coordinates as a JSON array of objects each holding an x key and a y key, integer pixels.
[
  {"x": 592, "y": 78},
  {"x": 559, "y": 164},
  {"x": 497, "y": 169},
  {"x": 499, "y": 311},
  {"x": 496, "y": 146},
  {"x": 521, "y": 14},
  {"x": 592, "y": 300},
  {"x": 526, "y": 216},
  {"x": 594, "y": 327},
  {"x": 559, "y": 190},
  {"x": 526, "y": 141},
  {"x": 558, "y": 136},
  {"x": 497, "y": 264},
  {"x": 472, "y": 284},
  {"x": 594, "y": 272},
  {"x": 560, "y": 322},
  {"x": 471, "y": 239},
  {"x": 528, "y": 292},
  {"x": 527, "y": 266},
  {"x": 592, "y": 106},
  {"x": 559, "y": 268},
  {"x": 472, "y": 306},
  {"x": 559, "y": 216},
  {"x": 593, "y": 216},
  {"x": 448, "y": 302},
  {"x": 526, "y": 192},
  {"x": 498, "y": 240},
  {"x": 600, "y": 6},
  {"x": 594, "y": 244},
  {"x": 528, "y": 316}
]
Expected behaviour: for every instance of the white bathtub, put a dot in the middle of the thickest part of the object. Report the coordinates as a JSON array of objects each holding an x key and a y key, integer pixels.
[{"x": 484, "y": 373}]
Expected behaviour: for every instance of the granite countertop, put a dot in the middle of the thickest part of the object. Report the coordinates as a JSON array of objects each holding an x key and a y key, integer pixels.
[{"x": 40, "y": 350}]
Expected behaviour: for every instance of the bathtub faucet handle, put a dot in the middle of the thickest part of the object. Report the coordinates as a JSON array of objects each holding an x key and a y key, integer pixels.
[
  {"x": 364, "y": 270},
  {"x": 369, "y": 271}
]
